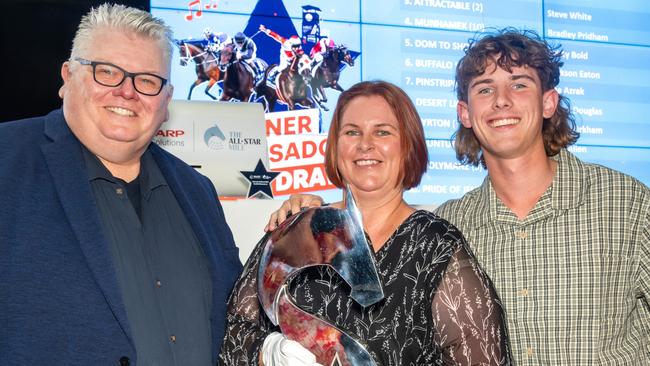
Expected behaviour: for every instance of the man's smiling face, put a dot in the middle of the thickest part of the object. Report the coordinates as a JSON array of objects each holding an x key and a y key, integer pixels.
[{"x": 115, "y": 123}]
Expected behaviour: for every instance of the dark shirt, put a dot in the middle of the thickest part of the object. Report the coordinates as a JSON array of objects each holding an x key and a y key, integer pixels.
[
  {"x": 160, "y": 266},
  {"x": 133, "y": 192}
]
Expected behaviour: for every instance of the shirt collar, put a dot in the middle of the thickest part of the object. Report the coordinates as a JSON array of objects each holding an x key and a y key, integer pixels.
[
  {"x": 95, "y": 168},
  {"x": 570, "y": 182},
  {"x": 150, "y": 175},
  {"x": 566, "y": 191}
]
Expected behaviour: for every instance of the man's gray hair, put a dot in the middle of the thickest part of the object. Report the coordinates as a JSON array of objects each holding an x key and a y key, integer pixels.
[{"x": 122, "y": 18}]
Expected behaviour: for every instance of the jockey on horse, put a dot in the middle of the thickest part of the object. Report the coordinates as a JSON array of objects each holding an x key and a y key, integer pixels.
[
  {"x": 319, "y": 51},
  {"x": 246, "y": 51},
  {"x": 207, "y": 66},
  {"x": 291, "y": 48},
  {"x": 215, "y": 41}
]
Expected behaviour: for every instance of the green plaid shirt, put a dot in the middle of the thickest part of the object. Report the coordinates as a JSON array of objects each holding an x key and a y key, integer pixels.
[{"x": 574, "y": 276}]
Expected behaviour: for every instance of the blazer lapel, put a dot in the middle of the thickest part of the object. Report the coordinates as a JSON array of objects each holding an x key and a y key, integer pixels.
[{"x": 66, "y": 165}]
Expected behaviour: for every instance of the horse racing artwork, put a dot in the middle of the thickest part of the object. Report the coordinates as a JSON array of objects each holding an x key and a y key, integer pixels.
[{"x": 284, "y": 56}]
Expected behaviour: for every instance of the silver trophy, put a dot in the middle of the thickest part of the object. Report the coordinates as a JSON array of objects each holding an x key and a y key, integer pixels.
[{"x": 314, "y": 237}]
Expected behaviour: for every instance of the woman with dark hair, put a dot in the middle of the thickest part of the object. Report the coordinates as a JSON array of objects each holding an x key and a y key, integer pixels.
[{"x": 439, "y": 306}]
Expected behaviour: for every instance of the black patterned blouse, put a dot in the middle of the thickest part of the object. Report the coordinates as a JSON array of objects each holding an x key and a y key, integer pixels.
[{"x": 440, "y": 307}]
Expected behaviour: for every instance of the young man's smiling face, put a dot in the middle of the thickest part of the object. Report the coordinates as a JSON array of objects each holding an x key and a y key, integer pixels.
[{"x": 505, "y": 110}]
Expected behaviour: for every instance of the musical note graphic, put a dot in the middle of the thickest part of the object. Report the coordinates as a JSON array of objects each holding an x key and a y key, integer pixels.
[
  {"x": 211, "y": 5},
  {"x": 199, "y": 11}
]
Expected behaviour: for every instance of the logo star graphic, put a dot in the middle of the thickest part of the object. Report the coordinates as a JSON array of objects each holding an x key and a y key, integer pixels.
[{"x": 260, "y": 180}]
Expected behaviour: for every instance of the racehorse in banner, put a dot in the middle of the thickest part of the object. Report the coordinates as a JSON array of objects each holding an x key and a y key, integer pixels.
[
  {"x": 291, "y": 85},
  {"x": 327, "y": 74},
  {"x": 266, "y": 91},
  {"x": 238, "y": 76},
  {"x": 207, "y": 68}
]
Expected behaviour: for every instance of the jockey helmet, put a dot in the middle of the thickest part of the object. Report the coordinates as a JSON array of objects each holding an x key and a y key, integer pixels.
[
  {"x": 294, "y": 41},
  {"x": 240, "y": 37}
]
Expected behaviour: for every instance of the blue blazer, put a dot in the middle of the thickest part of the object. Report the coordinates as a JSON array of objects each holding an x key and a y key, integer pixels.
[{"x": 60, "y": 303}]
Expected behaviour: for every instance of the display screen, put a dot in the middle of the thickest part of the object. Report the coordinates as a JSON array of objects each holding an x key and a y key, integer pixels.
[{"x": 416, "y": 44}]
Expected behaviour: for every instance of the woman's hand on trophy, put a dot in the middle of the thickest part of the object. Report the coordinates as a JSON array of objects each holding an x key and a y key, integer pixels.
[
  {"x": 294, "y": 204},
  {"x": 277, "y": 350}
]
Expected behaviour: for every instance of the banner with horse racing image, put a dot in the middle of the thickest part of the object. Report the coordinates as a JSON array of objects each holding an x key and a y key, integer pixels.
[
  {"x": 293, "y": 57},
  {"x": 287, "y": 55}
]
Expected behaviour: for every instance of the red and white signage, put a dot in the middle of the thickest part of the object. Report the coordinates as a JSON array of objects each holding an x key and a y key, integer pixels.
[
  {"x": 297, "y": 151},
  {"x": 304, "y": 121}
]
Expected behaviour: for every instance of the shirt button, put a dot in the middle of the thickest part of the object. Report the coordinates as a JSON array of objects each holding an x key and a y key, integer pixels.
[
  {"x": 521, "y": 234},
  {"x": 523, "y": 292},
  {"x": 529, "y": 351},
  {"x": 172, "y": 338},
  {"x": 119, "y": 191},
  {"x": 158, "y": 283}
]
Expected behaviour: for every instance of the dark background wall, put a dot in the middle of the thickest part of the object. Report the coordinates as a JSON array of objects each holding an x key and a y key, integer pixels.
[{"x": 36, "y": 37}]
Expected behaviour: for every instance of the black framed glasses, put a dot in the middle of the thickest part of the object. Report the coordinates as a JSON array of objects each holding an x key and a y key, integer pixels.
[{"x": 108, "y": 74}]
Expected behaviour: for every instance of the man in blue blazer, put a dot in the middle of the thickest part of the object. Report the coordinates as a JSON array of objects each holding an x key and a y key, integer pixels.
[{"x": 112, "y": 251}]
